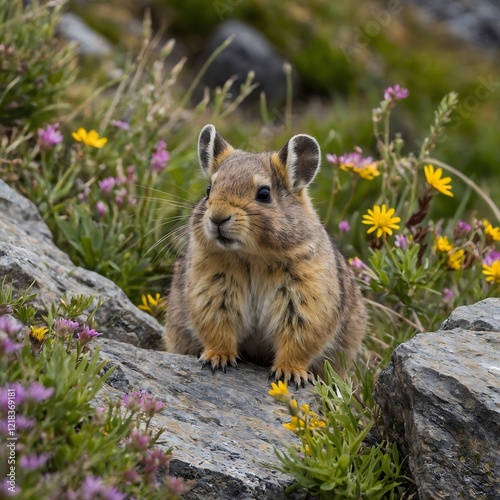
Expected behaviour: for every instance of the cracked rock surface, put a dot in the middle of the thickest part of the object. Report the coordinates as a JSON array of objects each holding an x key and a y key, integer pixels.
[{"x": 440, "y": 400}]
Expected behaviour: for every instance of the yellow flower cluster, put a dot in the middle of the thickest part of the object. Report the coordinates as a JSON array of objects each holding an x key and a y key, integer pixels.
[
  {"x": 153, "y": 305},
  {"x": 303, "y": 417},
  {"x": 368, "y": 171},
  {"x": 456, "y": 256},
  {"x": 38, "y": 334}
]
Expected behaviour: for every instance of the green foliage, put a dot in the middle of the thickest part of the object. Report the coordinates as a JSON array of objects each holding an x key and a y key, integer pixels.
[
  {"x": 62, "y": 445},
  {"x": 36, "y": 68},
  {"x": 333, "y": 460}
]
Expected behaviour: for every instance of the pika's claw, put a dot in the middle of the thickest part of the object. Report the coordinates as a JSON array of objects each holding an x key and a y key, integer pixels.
[
  {"x": 218, "y": 362},
  {"x": 291, "y": 375}
]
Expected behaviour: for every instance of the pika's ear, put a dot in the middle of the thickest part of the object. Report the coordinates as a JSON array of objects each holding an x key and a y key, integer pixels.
[
  {"x": 212, "y": 149},
  {"x": 301, "y": 157}
]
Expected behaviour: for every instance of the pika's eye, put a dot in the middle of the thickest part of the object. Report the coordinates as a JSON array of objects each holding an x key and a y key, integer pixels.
[
  {"x": 264, "y": 194},
  {"x": 208, "y": 191}
]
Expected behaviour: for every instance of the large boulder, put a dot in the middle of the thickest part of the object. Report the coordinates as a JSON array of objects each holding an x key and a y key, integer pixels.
[
  {"x": 249, "y": 51},
  {"x": 440, "y": 400},
  {"x": 223, "y": 428},
  {"x": 28, "y": 254}
]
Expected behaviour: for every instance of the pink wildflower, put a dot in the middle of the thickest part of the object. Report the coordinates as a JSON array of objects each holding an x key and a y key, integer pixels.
[
  {"x": 50, "y": 136},
  {"x": 395, "y": 93},
  {"x": 160, "y": 157}
]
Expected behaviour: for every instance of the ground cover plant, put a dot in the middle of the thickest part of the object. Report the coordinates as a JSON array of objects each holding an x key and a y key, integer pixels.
[
  {"x": 114, "y": 174},
  {"x": 59, "y": 443}
]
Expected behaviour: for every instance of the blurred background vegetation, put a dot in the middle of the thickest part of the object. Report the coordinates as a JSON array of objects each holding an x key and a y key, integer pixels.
[{"x": 345, "y": 53}]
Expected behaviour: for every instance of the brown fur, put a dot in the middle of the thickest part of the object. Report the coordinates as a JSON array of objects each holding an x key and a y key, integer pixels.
[{"x": 279, "y": 293}]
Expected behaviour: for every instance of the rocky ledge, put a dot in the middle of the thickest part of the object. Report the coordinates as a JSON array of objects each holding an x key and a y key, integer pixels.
[{"x": 440, "y": 401}]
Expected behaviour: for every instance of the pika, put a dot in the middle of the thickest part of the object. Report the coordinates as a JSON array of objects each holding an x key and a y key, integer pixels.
[{"x": 261, "y": 279}]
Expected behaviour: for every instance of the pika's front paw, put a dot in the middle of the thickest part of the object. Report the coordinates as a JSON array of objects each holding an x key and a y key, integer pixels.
[
  {"x": 218, "y": 361},
  {"x": 288, "y": 374}
]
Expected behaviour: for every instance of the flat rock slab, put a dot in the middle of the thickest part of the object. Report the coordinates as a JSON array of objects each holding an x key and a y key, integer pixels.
[
  {"x": 440, "y": 400},
  {"x": 28, "y": 254},
  {"x": 223, "y": 427}
]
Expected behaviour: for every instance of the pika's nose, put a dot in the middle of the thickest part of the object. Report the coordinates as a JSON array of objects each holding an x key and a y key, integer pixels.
[{"x": 219, "y": 220}]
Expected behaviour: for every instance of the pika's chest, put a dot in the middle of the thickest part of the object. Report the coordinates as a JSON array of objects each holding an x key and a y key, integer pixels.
[{"x": 262, "y": 307}]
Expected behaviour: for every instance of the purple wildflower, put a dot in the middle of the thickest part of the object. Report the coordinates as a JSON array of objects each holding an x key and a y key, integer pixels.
[
  {"x": 138, "y": 441},
  {"x": 132, "y": 401},
  {"x": 149, "y": 405},
  {"x": 32, "y": 462},
  {"x": 463, "y": 227},
  {"x": 448, "y": 294},
  {"x": 395, "y": 93},
  {"x": 9, "y": 488},
  {"x": 37, "y": 392},
  {"x": 93, "y": 488},
  {"x": 101, "y": 209},
  {"x": 63, "y": 327},
  {"x": 401, "y": 241},
  {"x": 106, "y": 185},
  {"x": 153, "y": 461},
  {"x": 86, "y": 334},
  {"x": 121, "y": 124},
  {"x": 132, "y": 201},
  {"x": 130, "y": 476},
  {"x": 178, "y": 486},
  {"x": 160, "y": 157},
  {"x": 10, "y": 326},
  {"x": 7, "y": 346},
  {"x": 493, "y": 256},
  {"x": 344, "y": 226},
  {"x": 50, "y": 136},
  {"x": 357, "y": 263},
  {"x": 22, "y": 423}
]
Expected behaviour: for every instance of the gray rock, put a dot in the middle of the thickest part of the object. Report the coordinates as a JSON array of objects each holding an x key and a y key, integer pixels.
[
  {"x": 440, "y": 400},
  {"x": 475, "y": 21},
  {"x": 483, "y": 316},
  {"x": 90, "y": 43},
  {"x": 27, "y": 254},
  {"x": 249, "y": 51},
  {"x": 223, "y": 428}
]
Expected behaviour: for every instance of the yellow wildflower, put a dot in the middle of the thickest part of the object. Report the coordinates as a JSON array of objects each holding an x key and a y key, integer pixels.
[
  {"x": 369, "y": 171},
  {"x": 443, "y": 244},
  {"x": 316, "y": 422},
  {"x": 295, "y": 425},
  {"x": 456, "y": 259},
  {"x": 381, "y": 220},
  {"x": 90, "y": 138},
  {"x": 492, "y": 272},
  {"x": 434, "y": 179},
  {"x": 279, "y": 390},
  {"x": 492, "y": 232},
  {"x": 294, "y": 405},
  {"x": 38, "y": 333},
  {"x": 153, "y": 305},
  {"x": 306, "y": 410}
]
